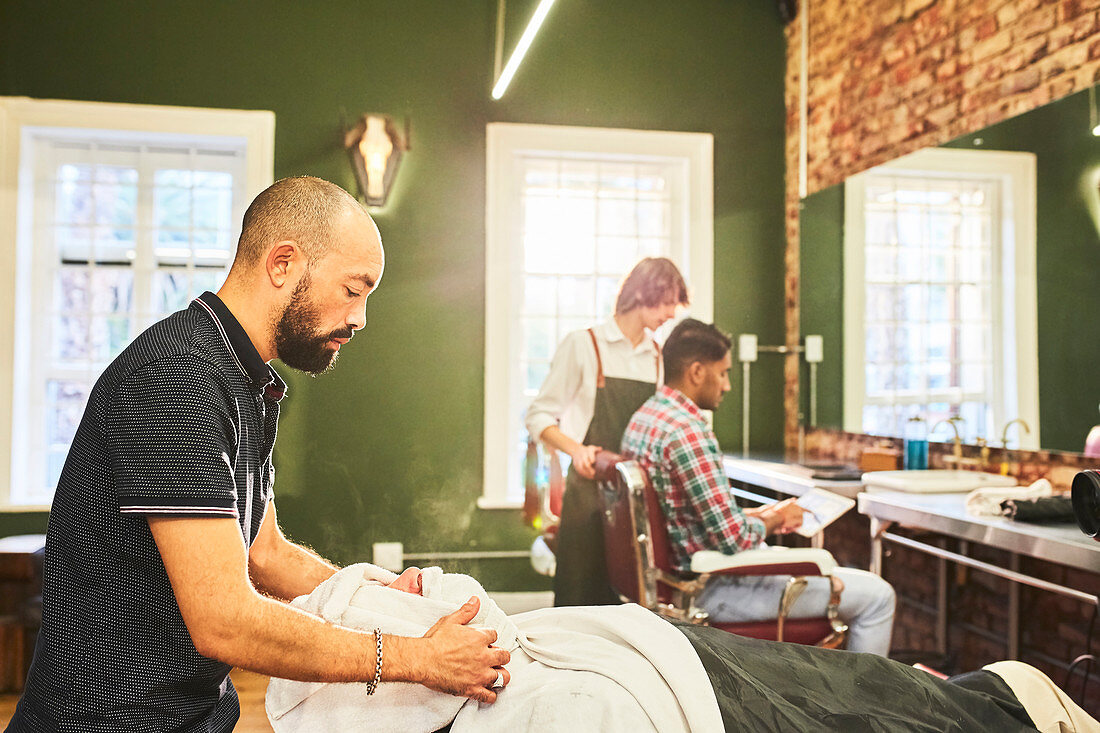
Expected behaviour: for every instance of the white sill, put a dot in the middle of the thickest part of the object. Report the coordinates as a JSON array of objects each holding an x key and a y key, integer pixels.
[
  {"x": 484, "y": 502},
  {"x": 23, "y": 508}
]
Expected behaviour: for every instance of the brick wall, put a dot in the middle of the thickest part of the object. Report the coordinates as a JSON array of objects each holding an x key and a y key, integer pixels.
[{"x": 887, "y": 77}]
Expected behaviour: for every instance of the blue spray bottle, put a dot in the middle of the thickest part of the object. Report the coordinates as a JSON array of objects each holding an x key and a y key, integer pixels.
[{"x": 916, "y": 444}]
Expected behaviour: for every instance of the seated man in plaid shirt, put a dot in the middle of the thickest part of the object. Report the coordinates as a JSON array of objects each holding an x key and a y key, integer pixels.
[{"x": 672, "y": 441}]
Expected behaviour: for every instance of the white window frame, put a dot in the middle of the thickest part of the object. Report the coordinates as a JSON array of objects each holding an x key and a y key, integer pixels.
[
  {"x": 20, "y": 117},
  {"x": 1015, "y": 172},
  {"x": 693, "y": 152}
]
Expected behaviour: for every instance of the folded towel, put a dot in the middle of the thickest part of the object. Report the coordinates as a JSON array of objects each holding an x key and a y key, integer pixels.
[{"x": 987, "y": 502}]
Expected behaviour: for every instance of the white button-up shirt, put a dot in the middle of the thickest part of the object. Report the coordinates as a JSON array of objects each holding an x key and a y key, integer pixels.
[{"x": 568, "y": 396}]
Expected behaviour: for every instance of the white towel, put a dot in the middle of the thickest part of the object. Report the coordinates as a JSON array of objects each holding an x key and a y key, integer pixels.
[
  {"x": 1050, "y": 709},
  {"x": 616, "y": 669},
  {"x": 987, "y": 502}
]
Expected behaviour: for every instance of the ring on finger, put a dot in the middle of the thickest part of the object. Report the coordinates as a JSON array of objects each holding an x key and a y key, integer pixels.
[{"x": 499, "y": 681}]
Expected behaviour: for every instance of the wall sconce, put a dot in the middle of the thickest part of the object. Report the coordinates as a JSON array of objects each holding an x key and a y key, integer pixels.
[{"x": 376, "y": 148}]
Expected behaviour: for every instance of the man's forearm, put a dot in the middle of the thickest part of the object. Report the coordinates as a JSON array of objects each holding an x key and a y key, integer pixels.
[
  {"x": 289, "y": 571},
  {"x": 283, "y": 641},
  {"x": 771, "y": 520}
]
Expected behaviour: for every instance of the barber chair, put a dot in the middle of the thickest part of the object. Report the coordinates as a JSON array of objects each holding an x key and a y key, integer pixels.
[
  {"x": 639, "y": 562},
  {"x": 544, "y": 485}
]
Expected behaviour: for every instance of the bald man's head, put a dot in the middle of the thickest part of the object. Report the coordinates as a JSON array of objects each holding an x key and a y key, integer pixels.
[{"x": 302, "y": 209}]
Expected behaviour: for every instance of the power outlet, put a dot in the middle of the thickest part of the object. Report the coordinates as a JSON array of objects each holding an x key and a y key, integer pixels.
[{"x": 389, "y": 555}]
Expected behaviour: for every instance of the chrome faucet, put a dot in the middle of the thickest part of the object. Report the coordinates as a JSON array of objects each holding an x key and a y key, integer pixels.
[
  {"x": 1010, "y": 423},
  {"x": 957, "y": 450}
]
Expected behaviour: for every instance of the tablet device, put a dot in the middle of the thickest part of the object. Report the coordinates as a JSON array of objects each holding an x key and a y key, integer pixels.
[{"x": 821, "y": 508}]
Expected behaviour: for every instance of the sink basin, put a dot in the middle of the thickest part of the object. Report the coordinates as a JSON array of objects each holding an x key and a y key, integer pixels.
[{"x": 935, "y": 481}]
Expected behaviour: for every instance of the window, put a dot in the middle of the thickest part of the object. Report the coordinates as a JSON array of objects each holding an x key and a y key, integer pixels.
[
  {"x": 116, "y": 223},
  {"x": 939, "y": 274},
  {"x": 569, "y": 212}
]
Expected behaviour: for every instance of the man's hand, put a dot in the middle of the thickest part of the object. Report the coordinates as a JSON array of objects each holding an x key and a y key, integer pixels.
[
  {"x": 461, "y": 660},
  {"x": 779, "y": 518},
  {"x": 790, "y": 515},
  {"x": 583, "y": 458}
]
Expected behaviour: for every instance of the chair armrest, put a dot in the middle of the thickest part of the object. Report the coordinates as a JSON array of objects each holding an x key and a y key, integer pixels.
[{"x": 765, "y": 561}]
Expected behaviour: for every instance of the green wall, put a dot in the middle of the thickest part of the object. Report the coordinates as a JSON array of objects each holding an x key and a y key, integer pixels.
[
  {"x": 389, "y": 445},
  {"x": 1067, "y": 265},
  {"x": 821, "y": 237}
]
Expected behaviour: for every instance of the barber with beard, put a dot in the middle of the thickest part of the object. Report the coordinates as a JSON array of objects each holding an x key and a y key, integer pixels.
[{"x": 165, "y": 565}]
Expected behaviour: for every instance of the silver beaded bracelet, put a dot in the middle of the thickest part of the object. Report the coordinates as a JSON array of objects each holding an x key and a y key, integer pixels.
[{"x": 377, "y": 662}]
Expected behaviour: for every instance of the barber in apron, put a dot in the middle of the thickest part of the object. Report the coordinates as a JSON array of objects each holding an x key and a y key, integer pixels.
[{"x": 598, "y": 379}]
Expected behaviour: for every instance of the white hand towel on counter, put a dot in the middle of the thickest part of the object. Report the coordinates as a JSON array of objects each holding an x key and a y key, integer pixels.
[
  {"x": 987, "y": 502},
  {"x": 611, "y": 668}
]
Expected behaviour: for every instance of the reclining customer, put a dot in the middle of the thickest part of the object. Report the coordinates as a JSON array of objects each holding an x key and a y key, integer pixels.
[
  {"x": 624, "y": 669},
  {"x": 670, "y": 439}
]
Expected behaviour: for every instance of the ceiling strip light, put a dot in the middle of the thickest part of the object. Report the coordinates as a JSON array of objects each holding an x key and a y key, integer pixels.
[{"x": 521, "y": 48}]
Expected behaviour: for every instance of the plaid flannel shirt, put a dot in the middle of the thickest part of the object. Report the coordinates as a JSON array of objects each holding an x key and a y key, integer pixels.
[{"x": 670, "y": 439}]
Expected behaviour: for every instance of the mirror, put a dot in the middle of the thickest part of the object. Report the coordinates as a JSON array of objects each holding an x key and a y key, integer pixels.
[{"x": 1065, "y": 278}]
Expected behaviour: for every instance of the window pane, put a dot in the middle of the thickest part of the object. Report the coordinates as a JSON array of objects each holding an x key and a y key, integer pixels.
[
  {"x": 213, "y": 179},
  {"x": 579, "y": 237},
  {"x": 204, "y": 280},
  {"x": 109, "y": 337},
  {"x": 653, "y": 246},
  {"x": 211, "y": 248},
  {"x": 576, "y": 297},
  {"x": 618, "y": 180},
  {"x": 172, "y": 248},
  {"x": 536, "y": 374},
  {"x": 653, "y": 218},
  {"x": 73, "y": 244},
  {"x": 73, "y": 195},
  {"x": 71, "y": 338},
  {"x": 578, "y": 176},
  {"x": 172, "y": 291},
  {"x": 71, "y": 288},
  {"x": 616, "y": 254},
  {"x": 171, "y": 205},
  {"x": 114, "y": 245},
  {"x": 55, "y": 461},
  {"x": 882, "y": 264},
  {"x": 933, "y": 333},
  {"x": 607, "y": 290},
  {"x": 213, "y": 207},
  {"x": 103, "y": 218},
  {"x": 568, "y": 325},
  {"x": 539, "y": 339},
  {"x": 116, "y": 203},
  {"x": 540, "y": 296},
  {"x": 618, "y": 218},
  {"x": 65, "y": 402},
  {"x": 540, "y": 176},
  {"x": 112, "y": 290}
]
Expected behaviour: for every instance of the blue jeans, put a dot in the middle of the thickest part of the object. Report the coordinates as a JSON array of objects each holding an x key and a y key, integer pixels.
[{"x": 866, "y": 605}]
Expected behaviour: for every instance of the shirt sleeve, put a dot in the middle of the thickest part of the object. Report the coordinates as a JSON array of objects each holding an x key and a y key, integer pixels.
[
  {"x": 560, "y": 387},
  {"x": 697, "y": 466},
  {"x": 171, "y": 438}
]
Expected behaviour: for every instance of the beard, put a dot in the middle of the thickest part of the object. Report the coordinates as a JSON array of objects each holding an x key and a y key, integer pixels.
[{"x": 297, "y": 340}]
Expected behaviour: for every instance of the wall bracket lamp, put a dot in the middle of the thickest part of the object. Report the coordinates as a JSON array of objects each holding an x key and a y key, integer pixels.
[{"x": 375, "y": 148}]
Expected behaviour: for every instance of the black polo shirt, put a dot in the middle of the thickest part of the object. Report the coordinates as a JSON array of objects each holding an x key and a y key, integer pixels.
[{"x": 181, "y": 424}]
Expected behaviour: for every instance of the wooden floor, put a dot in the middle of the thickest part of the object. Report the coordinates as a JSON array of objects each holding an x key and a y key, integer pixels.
[{"x": 250, "y": 688}]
